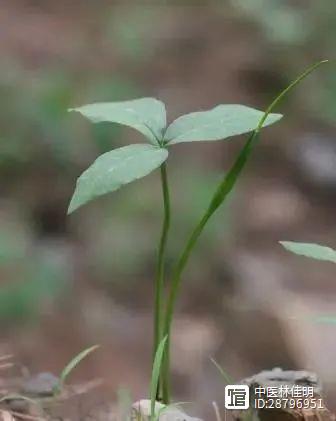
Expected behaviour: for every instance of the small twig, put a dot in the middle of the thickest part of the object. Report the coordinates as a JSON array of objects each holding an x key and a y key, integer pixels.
[
  {"x": 75, "y": 390},
  {"x": 26, "y": 417},
  {"x": 6, "y": 357},
  {"x": 6, "y": 365}
]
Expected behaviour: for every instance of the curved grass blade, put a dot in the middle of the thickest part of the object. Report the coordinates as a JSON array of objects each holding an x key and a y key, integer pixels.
[
  {"x": 228, "y": 379},
  {"x": 67, "y": 370}
]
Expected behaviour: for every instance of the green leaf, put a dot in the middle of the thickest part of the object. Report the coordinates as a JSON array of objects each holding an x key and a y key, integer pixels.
[
  {"x": 156, "y": 374},
  {"x": 113, "y": 169},
  {"x": 219, "y": 123},
  {"x": 313, "y": 251},
  {"x": 147, "y": 115}
]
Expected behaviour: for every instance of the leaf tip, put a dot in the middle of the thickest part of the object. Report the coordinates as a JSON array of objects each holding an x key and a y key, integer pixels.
[
  {"x": 324, "y": 61},
  {"x": 73, "y": 205},
  {"x": 94, "y": 347},
  {"x": 275, "y": 117}
]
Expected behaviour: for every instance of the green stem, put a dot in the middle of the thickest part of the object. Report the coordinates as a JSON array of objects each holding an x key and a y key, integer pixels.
[
  {"x": 224, "y": 188},
  {"x": 159, "y": 282}
]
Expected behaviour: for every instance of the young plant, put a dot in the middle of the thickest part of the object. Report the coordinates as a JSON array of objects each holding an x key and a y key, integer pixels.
[
  {"x": 72, "y": 364},
  {"x": 121, "y": 166}
]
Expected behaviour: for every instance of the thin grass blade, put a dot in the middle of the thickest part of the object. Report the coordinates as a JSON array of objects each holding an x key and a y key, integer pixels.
[{"x": 228, "y": 379}]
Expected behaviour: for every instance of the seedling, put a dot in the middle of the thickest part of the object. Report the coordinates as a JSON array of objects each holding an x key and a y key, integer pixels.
[
  {"x": 72, "y": 364},
  {"x": 121, "y": 166}
]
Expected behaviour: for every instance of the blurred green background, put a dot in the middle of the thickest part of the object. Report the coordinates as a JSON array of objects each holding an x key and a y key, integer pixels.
[{"x": 69, "y": 282}]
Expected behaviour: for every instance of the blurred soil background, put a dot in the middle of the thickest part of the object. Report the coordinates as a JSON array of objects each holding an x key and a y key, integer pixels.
[{"x": 70, "y": 282}]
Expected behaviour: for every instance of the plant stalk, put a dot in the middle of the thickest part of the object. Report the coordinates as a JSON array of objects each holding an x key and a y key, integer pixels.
[
  {"x": 222, "y": 191},
  {"x": 224, "y": 188},
  {"x": 159, "y": 281}
]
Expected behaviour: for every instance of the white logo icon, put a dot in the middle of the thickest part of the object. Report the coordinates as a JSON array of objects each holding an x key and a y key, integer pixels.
[{"x": 237, "y": 396}]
